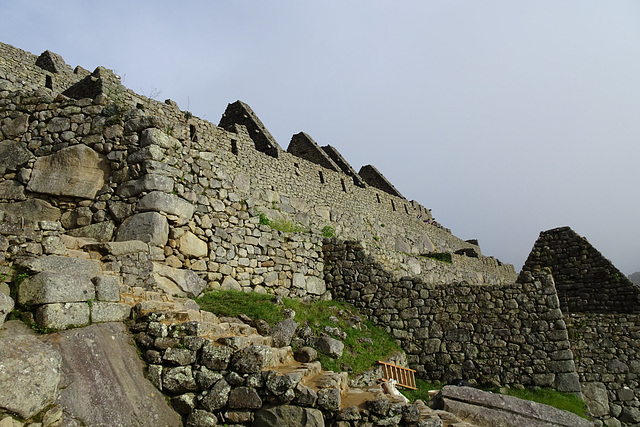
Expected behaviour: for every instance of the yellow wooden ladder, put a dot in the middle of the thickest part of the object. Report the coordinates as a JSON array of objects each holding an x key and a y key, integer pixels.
[{"x": 405, "y": 377}]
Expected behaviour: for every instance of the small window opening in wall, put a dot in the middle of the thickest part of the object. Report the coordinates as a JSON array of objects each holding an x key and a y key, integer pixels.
[
  {"x": 378, "y": 197},
  {"x": 406, "y": 210},
  {"x": 393, "y": 206},
  {"x": 295, "y": 165},
  {"x": 192, "y": 133},
  {"x": 234, "y": 147},
  {"x": 343, "y": 187},
  {"x": 321, "y": 177},
  {"x": 48, "y": 82}
]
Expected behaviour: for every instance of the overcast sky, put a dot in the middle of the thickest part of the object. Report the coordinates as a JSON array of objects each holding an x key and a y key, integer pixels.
[{"x": 505, "y": 118}]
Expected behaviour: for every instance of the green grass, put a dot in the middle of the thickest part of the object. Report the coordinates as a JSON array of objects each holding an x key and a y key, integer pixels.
[
  {"x": 422, "y": 393},
  {"x": 359, "y": 355},
  {"x": 439, "y": 256},
  {"x": 328, "y": 231},
  {"x": 283, "y": 225},
  {"x": 566, "y": 401}
]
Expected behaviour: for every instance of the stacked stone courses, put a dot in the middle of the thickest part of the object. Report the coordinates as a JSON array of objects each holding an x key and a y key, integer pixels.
[{"x": 205, "y": 206}]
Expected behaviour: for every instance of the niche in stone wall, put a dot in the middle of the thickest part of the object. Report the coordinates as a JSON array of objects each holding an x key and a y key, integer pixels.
[
  {"x": 193, "y": 133},
  {"x": 393, "y": 206},
  {"x": 406, "y": 210},
  {"x": 234, "y": 147},
  {"x": 343, "y": 186},
  {"x": 378, "y": 197},
  {"x": 321, "y": 177},
  {"x": 48, "y": 82}
]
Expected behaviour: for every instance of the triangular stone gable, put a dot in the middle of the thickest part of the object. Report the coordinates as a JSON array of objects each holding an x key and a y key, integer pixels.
[
  {"x": 52, "y": 62},
  {"x": 303, "y": 146},
  {"x": 586, "y": 281},
  {"x": 374, "y": 178},
  {"x": 343, "y": 165},
  {"x": 101, "y": 81},
  {"x": 239, "y": 113}
]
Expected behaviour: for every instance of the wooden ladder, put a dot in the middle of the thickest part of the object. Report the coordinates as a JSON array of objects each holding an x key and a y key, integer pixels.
[{"x": 404, "y": 376}]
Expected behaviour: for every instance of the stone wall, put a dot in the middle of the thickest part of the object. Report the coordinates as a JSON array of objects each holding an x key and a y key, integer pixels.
[
  {"x": 217, "y": 201},
  {"x": 606, "y": 349},
  {"x": 587, "y": 282},
  {"x": 492, "y": 334}
]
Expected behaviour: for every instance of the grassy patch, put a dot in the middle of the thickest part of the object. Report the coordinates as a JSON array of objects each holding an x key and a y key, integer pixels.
[
  {"x": 365, "y": 343},
  {"x": 328, "y": 231},
  {"x": 283, "y": 225},
  {"x": 439, "y": 256},
  {"x": 566, "y": 401}
]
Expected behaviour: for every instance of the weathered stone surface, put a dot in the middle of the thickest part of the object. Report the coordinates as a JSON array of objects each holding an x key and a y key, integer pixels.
[
  {"x": 329, "y": 399},
  {"x": 315, "y": 285},
  {"x": 330, "y": 346},
  {"x": 216, "y": 357},
  {"x": 103, "y": 379},
  {"x": 244, "y": 398},
  {"x": 596, "y": 397},
  {"x": 179, "y": 356},
  {"x": 31, "y": 210},
  {"x": 12, "y": 189},
  {"x": 186, "y": 280},
  {"x": 48, "y": 287},
  {"x": 16, "y": 127},
  {"x": 29, "y": 373},
  {"x": 252, "y": 359},
  {"x": 101, "y": 231},
  {"x": 288, "y": 416},
  {"x": 153, "y": 136},
  {"x": 168, "y": 203},
  {"x": 119, "y": 248},
  {"x": 107, "y": 288},
  {"x": 283, "y": 332},
  {"x": 486, "y": 408},
  {"x": 217, "y": 397},
  {"x": 149, "y": 182},
  {"x": 306, "y": 354},
  {"x": 200, "y": 418},
  {"x": 59, "y": 264},
  {"x": 76, "y": 171},
  {"x": 102, "y": 311},
  {"x": 178, "y": 380},
  {"x": 63, "y": 315},
  {"x": 13, "y": 154},
  {"x": 190, "y": 245},
  {"x": 148, "y": 227},
  {"x": 6, "y": 305}
]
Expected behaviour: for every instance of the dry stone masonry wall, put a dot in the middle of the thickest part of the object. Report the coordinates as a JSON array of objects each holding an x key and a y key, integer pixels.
[{"x": 510, "y": 334}]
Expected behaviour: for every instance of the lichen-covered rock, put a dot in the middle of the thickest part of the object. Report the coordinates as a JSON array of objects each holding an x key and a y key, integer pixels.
[
  {"x": 244, "y": 398},
  {"x": 29, "y": 373},
  {"x": 49, "y": 287},
  {"x": 283, "y": 331},
  {"x": 329, "y": 346},
  {"x": 217, "y": 396},
  {"x": 288, "y": 416},
  {"x": 200, "y": 418},
  {"x": 252, "y": 359},
  {"x": 6, "y": 305},
  {"x": 178, "y": 380},
  {"x": 329, "y": 399}
]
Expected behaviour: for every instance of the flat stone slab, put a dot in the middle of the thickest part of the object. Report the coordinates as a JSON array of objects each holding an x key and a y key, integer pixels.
[
  {"x": 103, "y": 382},
  {"x": 148, "y": 227},
  {"x": 61, "y": 264},
  {"x": 29, "y": 375},
  {"x": 48, "y": 287},
  {"x": 489, "y": 409}
]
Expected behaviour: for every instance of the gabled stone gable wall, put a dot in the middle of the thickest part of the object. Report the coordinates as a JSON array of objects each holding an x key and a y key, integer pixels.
[{"x": 587, "y": 282}]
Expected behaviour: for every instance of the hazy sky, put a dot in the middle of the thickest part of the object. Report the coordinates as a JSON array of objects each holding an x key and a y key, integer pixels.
[{"x": 505, "y": 118}]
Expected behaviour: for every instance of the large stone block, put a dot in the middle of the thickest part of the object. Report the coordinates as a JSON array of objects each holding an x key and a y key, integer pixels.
[
  {"x": 148, "y": 227},
  {"x": 6, "y": 305},
  {"x": 29, "y": 375},
  {"x": 61, "y": 264},
  {"x": 149, "y": 182},
  {"x": 153, "y": 136},
  {"x": 101, "y": 231},
  {"x": 31, "y": 210},
  {"x": 288, "y": 416},
  {"x": 48, "y": 287},
  {"x": 191, "y": 246},
  {"x": 102, "y": 311},
  {"x": 63, "y": 315},
  {"x": 169, "y": 203},
  {"x": 186, "y": 280},
  {"x": 13, "y": 154},
  {"x": 76, "y": 171}
]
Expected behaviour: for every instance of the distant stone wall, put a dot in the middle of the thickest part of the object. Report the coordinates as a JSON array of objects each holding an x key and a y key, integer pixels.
[
  {"x": 587, "y": 282},
  {"x": 607, "y": 355},
  {"x": 209, "y": 198},
  {"x": 509, "y": 334}
]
